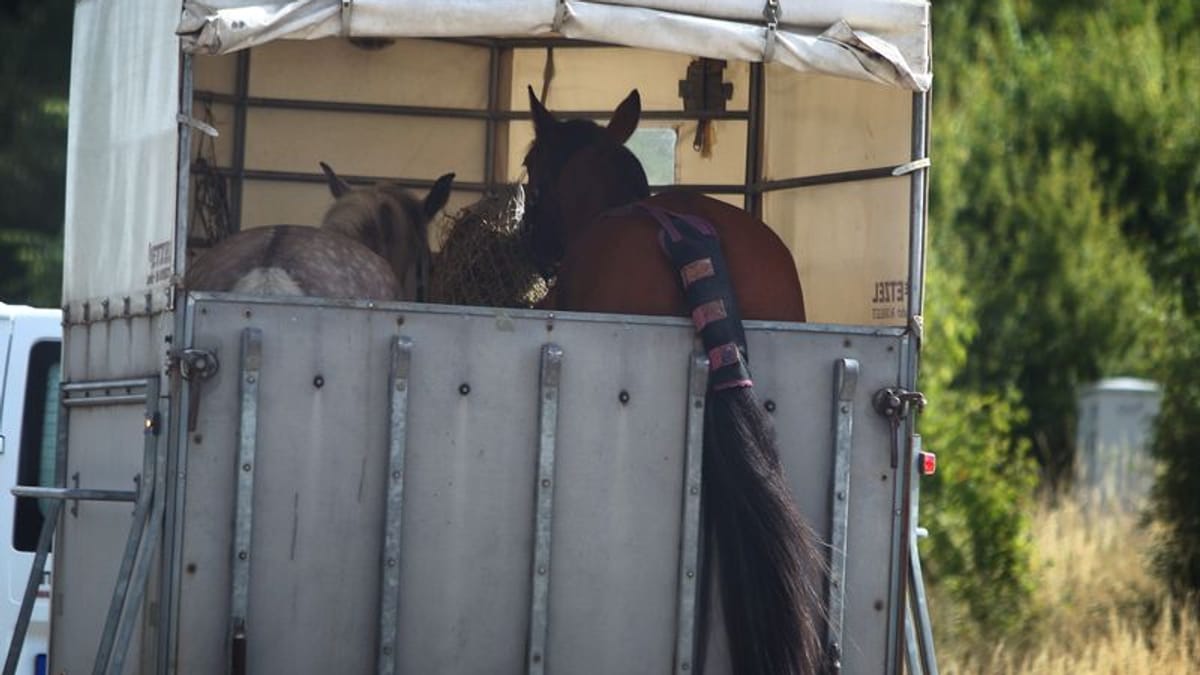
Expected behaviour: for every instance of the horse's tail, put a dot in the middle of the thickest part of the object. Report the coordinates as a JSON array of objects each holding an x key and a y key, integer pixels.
[{"x": 767, "y": 557}]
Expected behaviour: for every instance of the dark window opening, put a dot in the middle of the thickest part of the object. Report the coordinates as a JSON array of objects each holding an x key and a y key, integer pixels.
[{"x": 39, "y": 441}]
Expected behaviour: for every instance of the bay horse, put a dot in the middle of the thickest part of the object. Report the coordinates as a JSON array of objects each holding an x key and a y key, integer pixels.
[
  {"x": 370, "y": 245},
  {"x": 590, "y": 219}
]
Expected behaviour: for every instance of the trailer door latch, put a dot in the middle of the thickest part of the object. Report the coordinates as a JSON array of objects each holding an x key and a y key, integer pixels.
[
  {"x": 897, "y": 404},
  {"x": 196, "y": 366}
]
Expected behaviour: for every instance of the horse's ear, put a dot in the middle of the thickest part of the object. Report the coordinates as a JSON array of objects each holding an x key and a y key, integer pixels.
[
  {"x": 337, "y": 186},
  {"x": 543, "y": 120},
  {"x": 625, "y": 117},
  {"x": 438, "y": 195}
]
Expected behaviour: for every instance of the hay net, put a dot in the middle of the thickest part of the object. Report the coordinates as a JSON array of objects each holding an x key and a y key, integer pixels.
[{"x": 483, "y": 259}]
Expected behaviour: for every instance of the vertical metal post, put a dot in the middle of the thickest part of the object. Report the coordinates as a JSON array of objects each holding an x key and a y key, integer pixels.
[
  {"x": 689, "y": 530},
  {"x": 241, "y": 93},
  {"x": 177, "y": 441},
  {"x": 244, "y": 499},
  {"x": 539, "y": 605},
  {"x": 389, "y": 601},
  {"x": 493, "y": 107},
  {"x": 121, "y": 612},
  {"x": 922, "y": 628},
  {"x": 153, "y": 530},
  {"x": 918, "y": 195},
  {"x": 845, "y": 381},
  {"x": 754, "y": 140}
]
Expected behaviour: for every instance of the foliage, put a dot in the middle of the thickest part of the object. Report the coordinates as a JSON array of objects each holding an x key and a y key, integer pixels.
[
  {"x": 35, "y": 39},
  {"x": 1177, "y": 447},
  {"x": 974, "y": 506},
  {"x": 1025, "y": 130}
]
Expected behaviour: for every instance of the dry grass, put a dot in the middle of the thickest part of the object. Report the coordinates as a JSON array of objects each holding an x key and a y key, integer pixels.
[{"x": 1098, "y": 607}]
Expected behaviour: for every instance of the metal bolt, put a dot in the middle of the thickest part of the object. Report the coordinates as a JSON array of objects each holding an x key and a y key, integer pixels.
[
  {"x": 242, "y": 555},
  {"x": 691, "y": 573},
  {"x": 246, "y": 466},
  {"x": 541, "y": 570},
  {"x": 247, "y": 314},
  {"x": 251, "y": 379},
  {"x": 464, "y": 388},
  {"x": 395, "y": 475},
  {"x": 841, "y": 495},
  {"x": 391, "y": 562},
  {"x": 769, "y": 405},
  {"x": 318, "y": 382},
  {"x": 845, "y": 408},
  {"x": 545, "y": 482},
  {"x": 695, "y": 490},
  {"x": 623, "y": 397}
]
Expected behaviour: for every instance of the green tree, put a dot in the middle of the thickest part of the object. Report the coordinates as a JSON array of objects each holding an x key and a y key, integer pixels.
[{"x": 35, "y": 45}]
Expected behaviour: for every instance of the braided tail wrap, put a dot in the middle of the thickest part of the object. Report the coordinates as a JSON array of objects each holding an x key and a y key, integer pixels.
[{"x": 770, "y": 573}]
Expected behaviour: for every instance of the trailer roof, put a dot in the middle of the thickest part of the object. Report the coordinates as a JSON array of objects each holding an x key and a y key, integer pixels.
[{"x": 885, "y": 41}]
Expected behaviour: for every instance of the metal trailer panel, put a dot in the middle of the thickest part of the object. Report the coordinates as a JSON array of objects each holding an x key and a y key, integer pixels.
[{"x": 469, "y": 479}]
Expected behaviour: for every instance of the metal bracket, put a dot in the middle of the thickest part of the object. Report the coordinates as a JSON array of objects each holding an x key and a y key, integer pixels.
[
  {"x": 244, "y": 498},
  {"x": 539, "y": 604},
  {"x": 845, "y": 382},
  {"x": 389, "y": 602},
  {"x": 689, "y": 549}
]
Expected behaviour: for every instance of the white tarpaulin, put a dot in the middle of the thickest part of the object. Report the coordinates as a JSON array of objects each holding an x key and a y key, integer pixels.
[
  {"x": 122, "y": 145},
  {"x": 885, "y": 41}
]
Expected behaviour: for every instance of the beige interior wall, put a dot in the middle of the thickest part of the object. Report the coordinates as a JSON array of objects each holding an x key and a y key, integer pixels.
[
  {"x": 850, "y": 240},
  {"x": 597, "y": 79}
]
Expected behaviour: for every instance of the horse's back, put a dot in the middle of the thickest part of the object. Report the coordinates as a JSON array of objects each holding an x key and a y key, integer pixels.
[
  {"x": 617, "y": 265},
  {"x": 293, "y": 260}
]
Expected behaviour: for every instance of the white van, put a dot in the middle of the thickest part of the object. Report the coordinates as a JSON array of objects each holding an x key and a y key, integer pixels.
[{"x": 30, "y": 348}]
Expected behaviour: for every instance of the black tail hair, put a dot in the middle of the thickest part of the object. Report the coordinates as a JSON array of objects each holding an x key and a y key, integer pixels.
[{"x": 771, "y": 573}]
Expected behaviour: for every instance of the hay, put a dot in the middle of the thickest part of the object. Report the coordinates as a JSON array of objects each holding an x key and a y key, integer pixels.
[{"x": 483, "y": 259}]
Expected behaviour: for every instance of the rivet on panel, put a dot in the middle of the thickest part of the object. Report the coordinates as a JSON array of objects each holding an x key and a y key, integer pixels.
[
  {"x": 246, "y": 466},
  {"x": 623, "y": 397},
  {"x": 541, "y": 570},
  {"x": 242, "y": 555},
  {"x": 464, "y": 388},
  {"x": 769, "y": 405},
  {"x": 318, "y": 381}
]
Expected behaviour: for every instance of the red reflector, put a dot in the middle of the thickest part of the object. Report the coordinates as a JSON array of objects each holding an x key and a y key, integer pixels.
[{"x": 928, "y": 463}]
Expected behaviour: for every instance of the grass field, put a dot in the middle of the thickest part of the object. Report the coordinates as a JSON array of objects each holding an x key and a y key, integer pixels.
[{"x": 1098, "y": 607}]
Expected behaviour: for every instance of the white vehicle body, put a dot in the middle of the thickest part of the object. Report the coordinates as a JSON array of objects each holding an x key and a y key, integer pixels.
[{"x": 30, "y": 348}]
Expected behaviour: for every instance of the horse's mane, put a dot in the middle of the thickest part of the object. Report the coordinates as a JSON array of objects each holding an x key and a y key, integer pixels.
[{"x": 366, "y": 215}]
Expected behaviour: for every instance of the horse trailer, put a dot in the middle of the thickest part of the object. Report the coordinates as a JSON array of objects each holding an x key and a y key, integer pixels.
[{"x": 259, "y": 484}]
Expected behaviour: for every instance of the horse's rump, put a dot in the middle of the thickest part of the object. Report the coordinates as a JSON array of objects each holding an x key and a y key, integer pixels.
[
  {"x": 293, "y": 260},
  {"x": 621, "y": 248}
]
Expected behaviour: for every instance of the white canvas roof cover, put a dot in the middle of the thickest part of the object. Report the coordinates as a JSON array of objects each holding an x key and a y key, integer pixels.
[{"x": 885, "y": 41}]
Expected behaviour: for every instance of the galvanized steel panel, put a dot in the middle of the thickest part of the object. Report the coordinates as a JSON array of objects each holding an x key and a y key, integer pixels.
[{"x": 471, "y": 463}]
